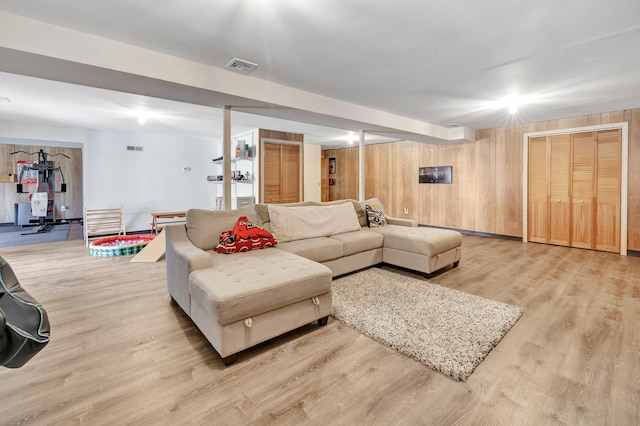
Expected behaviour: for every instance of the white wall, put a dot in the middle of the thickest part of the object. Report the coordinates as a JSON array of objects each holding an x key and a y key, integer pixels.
[
  {"x": 153, "y": 180},
  {"x": 149, "y": 181},
  {"x": 312, "y": 176},
  {"x": 142, "y": 182}
]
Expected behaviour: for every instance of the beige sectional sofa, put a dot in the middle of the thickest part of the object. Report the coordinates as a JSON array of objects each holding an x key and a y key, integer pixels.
[{"x": 240, "y": 300}]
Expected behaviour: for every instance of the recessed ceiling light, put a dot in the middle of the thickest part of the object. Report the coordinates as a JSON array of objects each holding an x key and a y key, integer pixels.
[
  {"x": 142, "y": 119},
  {"x": 513, "y": 109}
]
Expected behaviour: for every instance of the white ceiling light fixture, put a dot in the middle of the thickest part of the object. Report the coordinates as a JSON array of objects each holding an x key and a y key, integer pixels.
[
  {"x": 511, "y": 103},
  {"x": 142, "y": 119},
  {"x": 4, "y": 100},
  {"x": 240, "y": 66},
  {"x": 350, "y": 138}
]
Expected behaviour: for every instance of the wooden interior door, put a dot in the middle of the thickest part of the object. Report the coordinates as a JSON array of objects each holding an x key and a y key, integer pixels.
[
  {"x": 583, "y": 190},
  {"x": 608, "y": 185},
  {"x": 281, "y": 176},
  {"x": 559, "y": 189},
  {"x": 272, "y": 173},
  {"x": 290, "y": 155},
  {"x": 538, "y": 210}
]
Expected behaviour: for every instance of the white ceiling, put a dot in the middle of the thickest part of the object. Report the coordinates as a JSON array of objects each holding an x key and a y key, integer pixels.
[{"x": 440, "y": 62}]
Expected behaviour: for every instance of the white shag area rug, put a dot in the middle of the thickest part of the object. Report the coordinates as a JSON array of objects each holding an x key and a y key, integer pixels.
[{"x": 448, "y": 330}]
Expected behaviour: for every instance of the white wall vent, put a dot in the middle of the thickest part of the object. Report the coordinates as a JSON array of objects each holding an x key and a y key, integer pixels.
[
  {"x": 135, "y": 148},
  {"x": 241, "y": 66}
]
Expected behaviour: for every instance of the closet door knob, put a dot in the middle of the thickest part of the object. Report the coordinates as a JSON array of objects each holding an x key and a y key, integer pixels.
[
  {"x": 558, "y": 199},
  {"x": 581, "y": 201}
]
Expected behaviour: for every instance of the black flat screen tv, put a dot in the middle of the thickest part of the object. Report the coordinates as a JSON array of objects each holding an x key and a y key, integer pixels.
[{"x": 440, "y": 174}]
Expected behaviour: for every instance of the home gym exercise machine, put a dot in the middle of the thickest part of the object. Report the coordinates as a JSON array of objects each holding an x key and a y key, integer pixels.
[{"x": 42, "y": 201}]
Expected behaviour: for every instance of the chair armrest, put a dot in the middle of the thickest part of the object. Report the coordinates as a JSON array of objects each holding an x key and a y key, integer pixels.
[
  {"x": 2, "y": 322},
  {"x": 401, "y": 222}
]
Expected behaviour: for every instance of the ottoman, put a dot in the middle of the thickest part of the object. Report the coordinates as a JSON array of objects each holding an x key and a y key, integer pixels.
[
  {"x": 253, "y": 296},
  {"x": 420, "y": 248}
]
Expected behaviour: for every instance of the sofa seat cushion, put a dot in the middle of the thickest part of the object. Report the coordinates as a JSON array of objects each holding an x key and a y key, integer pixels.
[
  {"x": 359, "y": 241},
  {"x": 251, "y": 283},
  {"x": 419, "y": 240},
  {"x": 319, "y": 249}
]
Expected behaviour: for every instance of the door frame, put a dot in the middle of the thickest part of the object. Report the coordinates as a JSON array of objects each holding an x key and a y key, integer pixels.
[
  {"x": 624, "y": 174},
  {"x": 281, "y": 142}
]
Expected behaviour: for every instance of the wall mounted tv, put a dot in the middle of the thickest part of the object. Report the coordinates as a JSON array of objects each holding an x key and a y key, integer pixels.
[{"x": 440, "y": 174}]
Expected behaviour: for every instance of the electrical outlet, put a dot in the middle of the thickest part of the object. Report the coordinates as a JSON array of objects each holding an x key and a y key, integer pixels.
[
  {"x": 186, "y": 169},
  {"x": 406, "y": 210}
]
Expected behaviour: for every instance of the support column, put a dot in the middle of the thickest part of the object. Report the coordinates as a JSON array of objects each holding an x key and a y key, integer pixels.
[
  {"x": 361, "y": 167},
  {"x": 226, "y": 153}
]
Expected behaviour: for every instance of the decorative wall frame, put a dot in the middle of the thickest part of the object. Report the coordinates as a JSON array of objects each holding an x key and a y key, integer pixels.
[
  {"x": 332, "y": 166},
  {"x": 440, "y": 174}
]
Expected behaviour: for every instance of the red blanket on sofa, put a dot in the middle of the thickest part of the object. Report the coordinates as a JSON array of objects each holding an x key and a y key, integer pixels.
[{"x": 245, "y": 236}]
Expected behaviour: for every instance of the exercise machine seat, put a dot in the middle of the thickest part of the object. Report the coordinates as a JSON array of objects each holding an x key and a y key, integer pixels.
[{"x": 24, "y": 325}]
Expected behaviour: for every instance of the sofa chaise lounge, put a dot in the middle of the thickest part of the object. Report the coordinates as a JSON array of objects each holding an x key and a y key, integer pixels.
[{"x": 240, "y": 300}]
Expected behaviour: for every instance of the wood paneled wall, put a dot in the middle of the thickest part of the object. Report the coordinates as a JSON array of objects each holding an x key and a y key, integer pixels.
[
  {"x": 72, "y": 169},
  {"x": 346, "y": 175},
  {"x": 284, "y": 136},
  {"x": 486, "y": 193}
]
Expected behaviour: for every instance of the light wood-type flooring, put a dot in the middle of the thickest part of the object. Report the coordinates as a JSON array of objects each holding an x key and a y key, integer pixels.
[{"x": 121, "y": 353}]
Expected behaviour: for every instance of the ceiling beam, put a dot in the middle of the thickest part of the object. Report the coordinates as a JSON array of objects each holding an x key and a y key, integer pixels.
[{"x": 37, "y": 49}]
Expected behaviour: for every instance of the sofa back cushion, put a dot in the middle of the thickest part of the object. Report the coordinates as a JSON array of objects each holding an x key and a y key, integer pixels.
[
  {"x": 205, "y": 226},
  {"x": 297, "y": 223},
  {"x": 263, "y": 210}
]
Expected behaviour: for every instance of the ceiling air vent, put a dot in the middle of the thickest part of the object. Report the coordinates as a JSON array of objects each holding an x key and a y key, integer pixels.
[
  {"x": 241, "y": 66},
  {"x": 134, "y": 148},
  {"x": 453, "y": 125}
]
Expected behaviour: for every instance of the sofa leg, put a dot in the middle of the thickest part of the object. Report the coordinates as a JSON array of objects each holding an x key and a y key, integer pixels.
[
  {"x": 228, "y": 360},
  {"x": 323, "y": 321},
  {"x": 456, "y": 263}
]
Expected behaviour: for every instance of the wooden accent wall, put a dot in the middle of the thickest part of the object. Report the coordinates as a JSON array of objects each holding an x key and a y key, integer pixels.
[
  {"x": 346, "y": 175},
  {"x": 486, "y": 193},
  {"x": 324, "y": 176},
  {"x": 72, "y": 169},
  {"x": 275, "y": 134}
]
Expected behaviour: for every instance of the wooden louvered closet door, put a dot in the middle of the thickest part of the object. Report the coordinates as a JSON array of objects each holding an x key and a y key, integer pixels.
[
  {"x": 575, "y": 189},
  {"x": 583, "y": 190},
  {"x": 281, "y": 173},
  {"x": 559, "y": 185},
  {"x": 272, "y": 189},
  {"x": 608, "y": 190},
  {"x": 538, "y": 209},
  {"x": 290, "y": 173}
]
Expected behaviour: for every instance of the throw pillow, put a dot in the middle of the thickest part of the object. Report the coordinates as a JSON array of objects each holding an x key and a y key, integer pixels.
[
  {"x": 375, "y": 218},
  {"x": 245, "y": 236}
]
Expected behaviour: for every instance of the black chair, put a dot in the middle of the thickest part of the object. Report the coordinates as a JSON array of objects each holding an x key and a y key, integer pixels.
[{"x": 24, "y": 325}]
